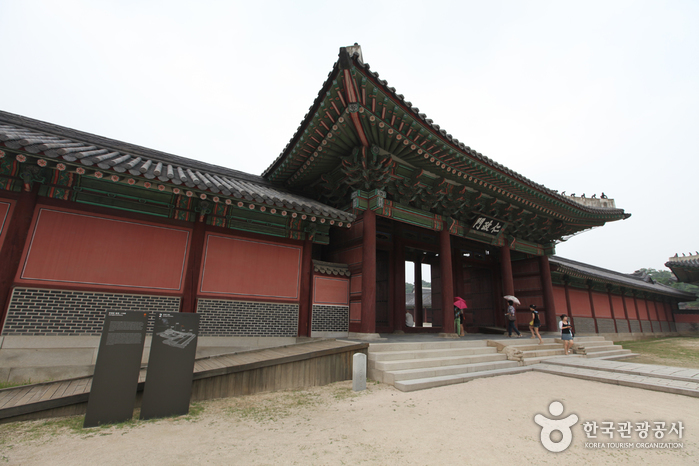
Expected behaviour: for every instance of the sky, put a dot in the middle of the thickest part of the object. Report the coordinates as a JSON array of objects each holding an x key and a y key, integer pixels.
[{"x": 580, "y": 96}]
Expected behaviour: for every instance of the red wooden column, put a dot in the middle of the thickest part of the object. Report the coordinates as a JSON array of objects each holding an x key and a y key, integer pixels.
[
  {"x": 611, "y": 306},
  {"x": 626, "y": 311},
  {"x": 15, "y": 240},
  {"x": 194, "y": 265},
  {"x": 399, "y": 284},
  {"x": 368, "y": 324},
  {"x": 592, "y": 304},
  {"x": 549, "y": 301},
  {"x": 447, "y": 279},
  {"x": 508, "y": 282},
  {"x": 305, "y": 299}
]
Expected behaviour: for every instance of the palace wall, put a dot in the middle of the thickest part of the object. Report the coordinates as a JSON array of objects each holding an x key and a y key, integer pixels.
[
  {"x": 596, "y": 311},
  {"x": 77, "y": 263}
]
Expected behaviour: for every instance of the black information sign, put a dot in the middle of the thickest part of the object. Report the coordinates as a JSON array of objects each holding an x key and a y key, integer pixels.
[
  {"x": 487, "y": 225},
  {"x": 115, "y": 382},
  {"x": 170, "y": 365}
]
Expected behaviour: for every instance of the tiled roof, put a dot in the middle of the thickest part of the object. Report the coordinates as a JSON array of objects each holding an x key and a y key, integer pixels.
[
  {"x": 76, "y": 147},
  {"x": 636, "y": 281},
  {"x": 437, "y": 129},
  {"x": 331, "y": 268},
  {"x": 685, "y": 268}
]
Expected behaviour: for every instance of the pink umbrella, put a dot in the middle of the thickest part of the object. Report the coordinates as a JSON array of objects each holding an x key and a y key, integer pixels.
[{"x": 460, "y": 303}]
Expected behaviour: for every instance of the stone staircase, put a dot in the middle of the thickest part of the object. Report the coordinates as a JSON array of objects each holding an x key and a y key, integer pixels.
[
  {"x": 599, "y": 348},
  {"x": 528, "y": 351},
  {"x": 416, "y": 366}
]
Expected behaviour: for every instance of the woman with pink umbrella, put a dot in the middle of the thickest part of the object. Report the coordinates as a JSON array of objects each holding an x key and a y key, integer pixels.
[{"x": 459, "y": 317}]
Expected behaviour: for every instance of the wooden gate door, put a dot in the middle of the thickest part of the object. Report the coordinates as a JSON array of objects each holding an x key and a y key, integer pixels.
[
  {"x": 478, "y": 291},
  {"x": 382, "y": 290}
]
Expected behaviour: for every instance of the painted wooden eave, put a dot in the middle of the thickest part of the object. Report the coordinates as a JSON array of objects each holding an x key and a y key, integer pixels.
[
  {"x": 108, "y": 158},
  {"x": 456, "y": 161}
]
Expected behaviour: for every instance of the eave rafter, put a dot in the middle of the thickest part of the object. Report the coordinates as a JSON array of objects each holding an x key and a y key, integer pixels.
[{"x": 357, "y": 109}]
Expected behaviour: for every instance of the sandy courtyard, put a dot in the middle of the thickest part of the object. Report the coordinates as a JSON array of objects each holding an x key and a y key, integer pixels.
[{"x": 485, "y": 421}]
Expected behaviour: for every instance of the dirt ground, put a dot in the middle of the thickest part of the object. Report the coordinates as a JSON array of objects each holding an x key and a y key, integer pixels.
[{"x": 485, "y": 421}]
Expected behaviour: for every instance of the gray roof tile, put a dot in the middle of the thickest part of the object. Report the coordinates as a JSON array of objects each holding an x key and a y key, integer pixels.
[{"x": 53, "y": 141}]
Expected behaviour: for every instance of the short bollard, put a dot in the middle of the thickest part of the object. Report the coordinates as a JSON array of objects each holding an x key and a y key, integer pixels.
[{"x": 359, "y": 372}]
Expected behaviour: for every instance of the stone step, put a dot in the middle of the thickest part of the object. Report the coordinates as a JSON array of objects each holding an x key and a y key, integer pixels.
[
  {"x": 381, "y": 347},
  {"x": 592, "y": 344},
  {"x": 628, "y": 380},
  {"x": 537, "y": 347},
  {"x": 432, "y": 382},
  {"x": 617, "y": 356},
  {"x": 395, "y": 376},
  {"x": 430, "y": 353},
  {"x": 611, "y": 352},
  {"x": 530, "y": 361},
  {"x": 682, "y": 374},
  {"x": 583, "y": 339},
  {"x": 543, "y": 353},
  {"x": 524, "y": 341},
  {"x": 597, "y": 349},
  {"x": 391, "y": 366}
]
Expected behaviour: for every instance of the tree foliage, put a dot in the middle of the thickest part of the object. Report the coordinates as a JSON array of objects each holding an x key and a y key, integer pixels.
[{"x": 666, "y": 277}]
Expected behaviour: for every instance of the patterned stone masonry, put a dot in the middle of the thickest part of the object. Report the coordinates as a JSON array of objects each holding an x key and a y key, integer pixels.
[
  {"x": 646, "y": 326},
  {"x": 687, "y": 327},
  {"x": 622, "y": 326},
  {"x": 673, "y": 326},
  {"x": 227, "y": 318},
  {"x": 583, "y": 325},
  {"x": 665, "y": 326},
  {"x": 635, "y": 326},
  {"x": 35, "y": 311},
  {"x": 606, "y": 326},
  {"x": 330, "y": 318}
]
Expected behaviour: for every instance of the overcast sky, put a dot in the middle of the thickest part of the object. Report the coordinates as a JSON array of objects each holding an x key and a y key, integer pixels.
[{"x": 582, "y": 97}]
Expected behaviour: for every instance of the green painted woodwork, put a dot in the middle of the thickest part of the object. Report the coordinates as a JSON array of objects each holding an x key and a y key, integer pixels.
[{"x": 329, "y": 140}]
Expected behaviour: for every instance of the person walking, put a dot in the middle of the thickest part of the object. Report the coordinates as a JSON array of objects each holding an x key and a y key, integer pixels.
[
  {"x": 512, "y": 320},
  {"x": 566, "y": 333},
  {"x": 535, "y": 323}
]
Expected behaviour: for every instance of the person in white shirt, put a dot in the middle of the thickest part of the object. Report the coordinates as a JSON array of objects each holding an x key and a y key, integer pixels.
[{"x": 566, "y": 333}]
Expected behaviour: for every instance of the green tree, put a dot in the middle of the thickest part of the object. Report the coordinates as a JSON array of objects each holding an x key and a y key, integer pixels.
[{"x": 666, "y": 277}]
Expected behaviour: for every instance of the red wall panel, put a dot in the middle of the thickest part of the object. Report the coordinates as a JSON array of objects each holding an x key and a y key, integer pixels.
[
  {"x": 527, "y": 283},
  {"x": 5, "y": 214},
  {"x": 356, "y": 312},
  {"x": 559, "y": 298},
  {"x": 601, "y": 302},
  {"x": 90, "y": 250},
  {"x": 642, "y": 309},
  {"x": 630, "y": 308},
  {"x": 327, "y": 290},
  {"x": 526, "y": 267},
  {"x": 579, "y": 303},
  {"x": 253, "y": 268},
  {"x": 618, "y": 307},
  {"x": 668, "y": 311},
  {"x": 687, "y": 318},
  {"x": 356, "y": 284},
  {"x": 652, "y": 312},
  {"x": 661, "y": 311}
]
